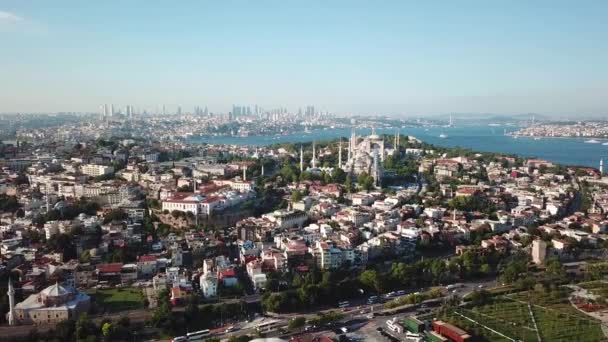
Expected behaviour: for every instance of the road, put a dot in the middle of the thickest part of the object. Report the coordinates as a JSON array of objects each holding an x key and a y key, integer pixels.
[
  {"x": 358, "y": 306},
  {"x": 366, "y": 331}
]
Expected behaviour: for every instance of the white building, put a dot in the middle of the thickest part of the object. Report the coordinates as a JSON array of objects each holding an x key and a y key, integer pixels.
[
  {"x": 208, "y": 284},
  {"x": 539, "y": 251},
  {"x": 95, "y": 170}
]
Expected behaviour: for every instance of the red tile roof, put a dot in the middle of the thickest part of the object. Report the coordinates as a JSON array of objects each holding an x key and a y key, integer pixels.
[
  {"x": 110, "y": 268},
  {"x": 146, "y": 258}
]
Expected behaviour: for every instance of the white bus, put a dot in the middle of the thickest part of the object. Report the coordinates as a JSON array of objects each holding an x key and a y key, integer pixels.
[
  {"x": 265, "y": 326},
  {"x": 394, "y": 326},
  {"x": 454, "y": 286},
  {"x": 200, "y": 335}
]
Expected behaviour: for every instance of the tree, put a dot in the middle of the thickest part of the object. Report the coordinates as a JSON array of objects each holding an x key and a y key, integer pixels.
[
  {"x": 296, "y": 323},
  {"x": 9, "y": 203},
  {"x": 365, "y": 181},
  {"x": 485, "y": 269},
  {"x": 115, "y": 215},
  {"x": 184, "y": 188},
  {"x": 105, "y": 329},
  {"x": 296, "y": 196},
  {"x": 372, "y": 280},
  {"x": 348, "y": 185},
  {"x": 555, "y": 268},
  {"x": 479, "y": 297},
  {"x": 338, "y": 175},
  {"x": 85, "y": 327}
]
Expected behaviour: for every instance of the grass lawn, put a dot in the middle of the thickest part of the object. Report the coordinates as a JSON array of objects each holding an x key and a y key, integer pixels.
[
  {"x": 556, "y": 319},
  {"x": 598, "y": 288},
  {"x": 121, "y": 299}
]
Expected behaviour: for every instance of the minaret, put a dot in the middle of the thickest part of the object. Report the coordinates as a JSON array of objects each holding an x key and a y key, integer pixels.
[
  {"x": 340, "y": 153},
  {"x": 601, "y": 166},
  {"x": 314, "y": 156},
  {"x": 11, "y": 301},
  {"x": 245, "y": 173},
  {"x": 262, "y": 172},
  {"x": 348, "y": 153},
  {"x": 301, "y": 160},
  {"x": 48, "y": 204}
]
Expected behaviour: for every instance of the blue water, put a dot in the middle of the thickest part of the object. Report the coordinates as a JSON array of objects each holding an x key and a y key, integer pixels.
[{"x": 570, "y": 151}]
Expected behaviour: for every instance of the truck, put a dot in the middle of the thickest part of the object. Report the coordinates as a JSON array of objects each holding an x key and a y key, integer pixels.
[
  {"x": 452, "y": 332},
  {"x": 432, "y": 336},
  {"x": 413, "y": 324}
]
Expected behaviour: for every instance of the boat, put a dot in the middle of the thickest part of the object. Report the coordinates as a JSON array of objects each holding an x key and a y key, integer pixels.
[
  {"x": 443, "y": 136},
  {"x": 537, "y": 138},
  {"x": 592, "y": 141},
  {"x": 605, "y": 144}
]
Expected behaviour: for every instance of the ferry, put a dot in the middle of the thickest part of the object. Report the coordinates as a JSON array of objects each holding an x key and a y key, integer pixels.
[
  {"x": 592, "y": 141},
  {"x": 605, "y": 144},
  {"x": 443, "y": 136}
]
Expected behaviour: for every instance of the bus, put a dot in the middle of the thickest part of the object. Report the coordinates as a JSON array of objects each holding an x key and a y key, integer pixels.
[
  {"x": 454, "y": 286},
  {"x": 344, "y": 304},
  {"x": 179, "y": 339},
  {"x": 200, "y": 335},
  {"x": 266, "y": 326}
]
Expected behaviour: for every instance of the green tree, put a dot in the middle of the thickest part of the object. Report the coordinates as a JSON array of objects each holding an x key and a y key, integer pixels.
[
  {"x": 348, "y": 184},
  {"x": 296, "y": 196},
  {"x": 106, "y": 329},
  {"x": 296, "y": 323},
  {"x": 372, "y": 280}
]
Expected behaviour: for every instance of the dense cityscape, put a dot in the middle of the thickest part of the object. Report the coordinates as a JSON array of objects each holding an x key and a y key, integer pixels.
[
  {"x": 105, "y": 231},
  {"x": 319, "y": 171}
]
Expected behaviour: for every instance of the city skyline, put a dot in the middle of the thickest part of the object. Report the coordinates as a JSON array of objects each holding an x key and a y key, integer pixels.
[{"x": 343, "y": 57}]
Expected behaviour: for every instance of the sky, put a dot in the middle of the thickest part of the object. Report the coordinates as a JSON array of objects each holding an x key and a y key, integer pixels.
[{"x": 401, "y": 58}]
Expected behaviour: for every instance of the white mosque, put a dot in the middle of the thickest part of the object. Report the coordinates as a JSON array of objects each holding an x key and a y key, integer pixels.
[{"x": 364, "y": 154}]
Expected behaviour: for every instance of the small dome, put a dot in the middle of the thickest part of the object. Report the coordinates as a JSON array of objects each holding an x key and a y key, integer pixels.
[{"x": 56, "y": 291}]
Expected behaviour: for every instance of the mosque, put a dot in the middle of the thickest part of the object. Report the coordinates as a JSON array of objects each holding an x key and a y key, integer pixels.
[
  {"x": 51, "y": 305},
  {"x": 364, "y": 154}
]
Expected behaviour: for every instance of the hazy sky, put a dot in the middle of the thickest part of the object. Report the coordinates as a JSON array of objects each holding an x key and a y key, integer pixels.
[{"x": 363, "y": 57}]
